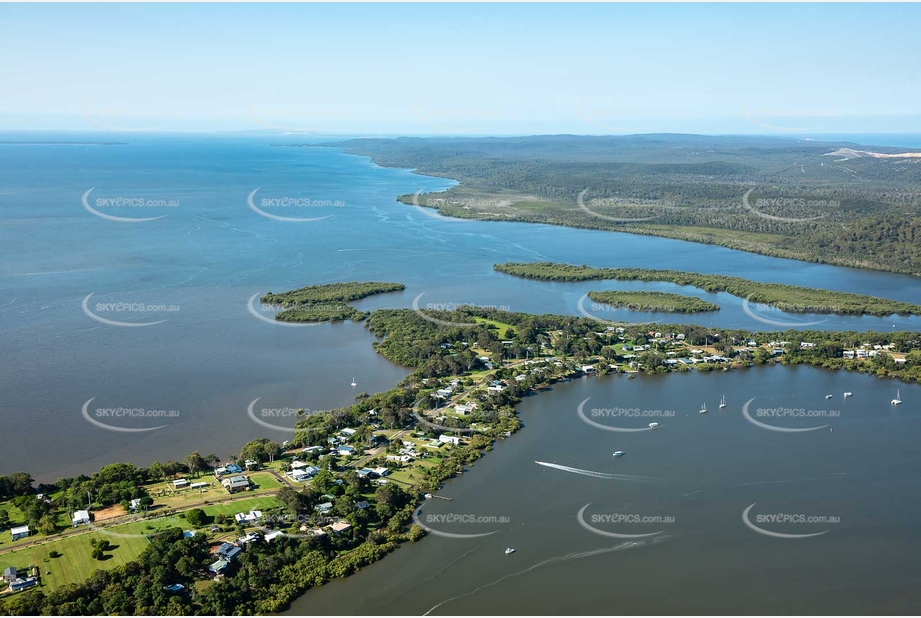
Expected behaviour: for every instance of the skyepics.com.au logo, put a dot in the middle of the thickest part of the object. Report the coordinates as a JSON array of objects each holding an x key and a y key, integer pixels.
[
  {"x": 788, "y": 204},
  {"x": 450, "y": 306},
  {"x": 266, "y": 312},
  {"x": 599, "y": 307},
  {"x": 103, "y": 207},
  {"x": 761, "y": 311},
  {"x": 124, "y": 309},
  {"x": 623, "y": 525},
  {"x": 641, "y": 419},
  {"x": 784, "y": 525},
  {"x": 643, "y": 204},
  {"x": 773, "y": 418},
  {"x": 270, "y": 417},
  {"x": 270, "y": 207},
  {"x": 118, "y": 418},
  {"x": 439, "y": 524}
]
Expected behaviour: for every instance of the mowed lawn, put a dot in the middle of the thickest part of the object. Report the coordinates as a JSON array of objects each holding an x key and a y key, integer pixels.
[
  {"x": 128, "y": 540},
  {"x": 75, "y": 565}
]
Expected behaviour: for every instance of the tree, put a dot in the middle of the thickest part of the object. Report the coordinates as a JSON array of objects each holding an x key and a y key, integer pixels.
[
  {"x": 195, "y": 462},
  {"x": 46, "y": 525},
  {"x": 196, "y": 517},
  {"x": 4, "y": 519}
]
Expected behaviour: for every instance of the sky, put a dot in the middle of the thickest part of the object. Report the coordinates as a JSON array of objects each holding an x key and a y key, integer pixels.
[{"x": 477, "y": 69}]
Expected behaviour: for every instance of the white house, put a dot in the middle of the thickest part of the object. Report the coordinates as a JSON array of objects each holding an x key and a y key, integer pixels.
[
  {"x": 248, "y": 519},
  {"x": 269, "y": 537},
  {"x": 345, "y": 450},
  {"x": 20, "y": 533},
  {"x": 449, "y": 439},
  {"x": 180, "y": 483},
  {"x": 340, "y": 526},
  {"x": 80, "y": 518}
]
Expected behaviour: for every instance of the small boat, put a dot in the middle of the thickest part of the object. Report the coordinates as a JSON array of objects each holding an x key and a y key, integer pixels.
[
  {"x": 619, "y": 453},
  {"x": 509, "y": 550},
  {"x": 898, "y": 398},
  {"x": 354, "y": 383},
  {"x": 828, "y": 396},
  {"x": 848, "y": 394},
  {"x": 653, "y": 425},
  {"x": 703, "y": 409},
  {"x": 723, "y": 402}
]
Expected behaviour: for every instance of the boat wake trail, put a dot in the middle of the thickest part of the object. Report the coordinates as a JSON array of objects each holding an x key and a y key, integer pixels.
[
  {"x": 571, "y": 556},
  {"x": 594, "y": 474}
]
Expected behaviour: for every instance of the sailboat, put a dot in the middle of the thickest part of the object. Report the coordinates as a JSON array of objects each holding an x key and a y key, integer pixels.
[
  {"x": 723, "y": 402},
  {"x": 703, "y": 408},
  {"x": 354, "y": 383},
  {"x": 898, "y": 398}
]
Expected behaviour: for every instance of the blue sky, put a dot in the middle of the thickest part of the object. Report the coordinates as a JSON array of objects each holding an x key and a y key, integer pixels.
[{"x": 467, "y": 69}]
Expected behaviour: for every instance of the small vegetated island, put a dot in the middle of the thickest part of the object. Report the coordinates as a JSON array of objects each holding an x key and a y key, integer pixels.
[
  {"x": 328, "y": 302},
  {"x": 789, "y": 298},
  {"x": 662, "y": 302}
]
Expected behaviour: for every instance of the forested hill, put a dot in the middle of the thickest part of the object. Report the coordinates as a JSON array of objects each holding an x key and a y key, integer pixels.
[{"x": 808, "y": 202}]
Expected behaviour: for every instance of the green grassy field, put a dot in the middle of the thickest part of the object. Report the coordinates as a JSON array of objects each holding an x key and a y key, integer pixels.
[
  {"x": 128, "y": 540},
  {"x": 75, "y": 564}
]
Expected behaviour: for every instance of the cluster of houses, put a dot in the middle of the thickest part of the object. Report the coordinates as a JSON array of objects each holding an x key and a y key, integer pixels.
[
  {"x": 447, "y": 391},
  {"x": 301, "y": 471},
  {"x": 866, "y": 351},
  {"x": 16, "y": 583}
]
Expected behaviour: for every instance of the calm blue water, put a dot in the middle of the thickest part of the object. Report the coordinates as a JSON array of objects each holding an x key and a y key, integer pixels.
[{"x": 210, "y": 357}]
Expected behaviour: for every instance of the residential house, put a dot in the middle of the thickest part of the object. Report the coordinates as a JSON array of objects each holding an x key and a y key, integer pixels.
[
  {"x": 80, "y": 518},
  {"x": 325, "y": 507},
  {"x": 180, "y": 483},
  {"x": 449, "y": 439},
  {"x": 271, "y": 536},
  {"x": 9, "y": 574},
  {"x": 248, "y": 519},
  {"x": 340, "y": 526},
  {"x": 228, "y": 551},
  {"x": 20, "y": 533},
  {"x": 345, "y": 450},
  {"x": 22, "y": 584},
  {"x": 235, "y": 484}
]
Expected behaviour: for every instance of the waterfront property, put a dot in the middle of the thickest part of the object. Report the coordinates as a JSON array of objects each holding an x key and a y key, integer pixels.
[{"x": 236, "y": 483}]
